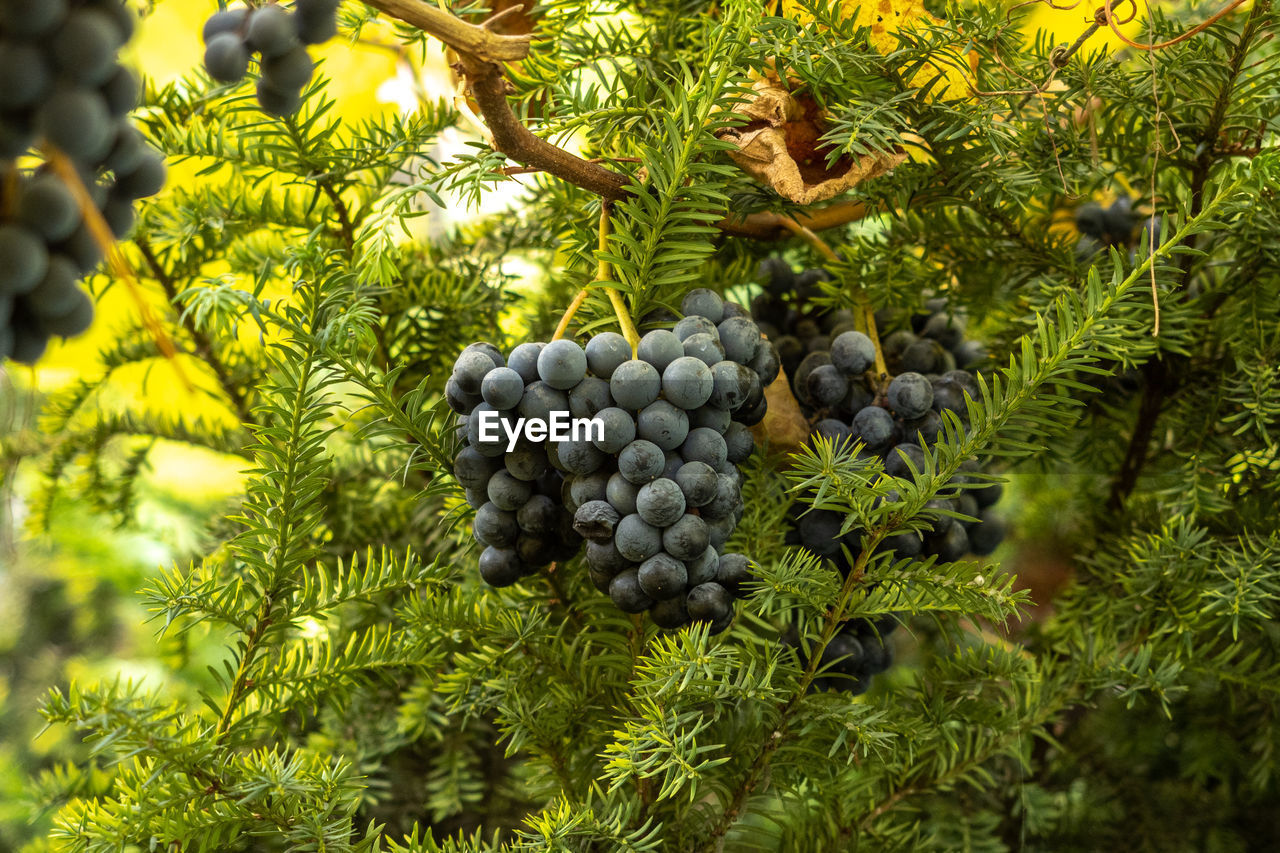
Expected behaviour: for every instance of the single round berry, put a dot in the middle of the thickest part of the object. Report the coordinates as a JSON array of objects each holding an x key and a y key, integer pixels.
[
  {"x": 874, "y": 426},
  {"x": 500, "y": 567},
  {"x": 56, "y": 295},
  {"x": 622, "y": 493},
  {"x": 663, "y": 424},
  {"x": 697, "y": 481},
  {"x": 636, "y": 539},
  {"x": 731, "y": 384},
  {"x": 78, "y": 123},
  {"x": 827, "y": 386},
  {"x": 290, "y": 71},
  {"x": 84, "y": 47},
  {"x": 495, "y": 527},
  {"x": 145, "y": 179},
  {"x": 704, "y": 348},
  {"x": 473, "y": 469},
  {"x": 226, "y": 58},
  {"x": 902, "y": 458},
  {"x": 619, "y": 429},
  {"x": 605, "y": 352},
  {"x": 670, "y": 614},
  {"x": 589, "y": 397},
  {"x": 502, "y": 388},
  {"x": 910, "y": 395},
  {"x": 741, "y": 338},
  {"x": 660, "y": 503},
  {"x": 579, "y": 456},
  {"x": 709, "y": 602},
  {"x": 25, "y": 75},
  {"x": 687, "y": 539},
  {"x": 641, "y": 461},
  {"x": 703, "y": 568},
  {"x": 280, "y": 103},
  {"x": 541, "y": 401},
  {"x": 852, "y": 353},
  {"x": 604, "y": 556},
  {"x": 524, "y": 361},
  {"x": 703, "y": 303},
  {"x": 733, "y": 573},
  {"x": 26, "y": 260},
  {"x": 705, "y": 445},
  {"x": 626, "y": 593},
  {"x": 660, "y": 347},
  {"x": 271, "y": 31},
  {"x": 711, "y": 418},
  {"x": 540, "y": 516},
  {"x": 562, "y": 364},
  {"x": 635, "y": 384},
  {"x": 585, "y": 488},
  {"x": 72, "y": 322},
  {"x": 226, "y": 21},
  {"x": 687, "y": 382},
  {"x": 48, "y": 208},
  {"x": 506, "y": 492},
  {"x": 316, "y": 21},
  {"x": 662, "y": 576}
]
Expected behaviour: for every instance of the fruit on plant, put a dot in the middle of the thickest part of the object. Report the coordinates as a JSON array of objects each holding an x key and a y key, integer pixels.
[
  {"x": 278, "y": 37},
  {"x": 62, "y": 88},
  {"x": 895, "y": 418},
  {"x": 655, "y": 494}
]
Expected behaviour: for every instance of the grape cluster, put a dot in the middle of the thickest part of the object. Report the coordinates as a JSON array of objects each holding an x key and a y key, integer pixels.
[
  {"x": 858, "y": 652},
  {"x": 279, "y": 38},
  {"x": 829, "y": 364},
  {"x": 655, "y": 494},
  {"x": 1114, "y": 225},
  {"x": 62, "y": 88}
]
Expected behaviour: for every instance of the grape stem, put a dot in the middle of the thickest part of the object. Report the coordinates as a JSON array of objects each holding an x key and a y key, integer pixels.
[
  {"x": 101, "y": 233},
  {"x": 866, "y": 315},
  {"x": 604, "y": 273}
]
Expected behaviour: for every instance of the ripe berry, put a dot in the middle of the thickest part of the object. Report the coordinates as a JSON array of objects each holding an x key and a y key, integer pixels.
[{"x": 226, "y": 58}]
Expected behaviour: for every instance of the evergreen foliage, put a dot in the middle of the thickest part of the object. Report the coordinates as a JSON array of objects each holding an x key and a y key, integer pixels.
[{"x": 370, "y": 692}]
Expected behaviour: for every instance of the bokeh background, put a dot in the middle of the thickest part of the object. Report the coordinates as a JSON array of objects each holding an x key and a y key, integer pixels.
[{"x": 69, "y": 572}]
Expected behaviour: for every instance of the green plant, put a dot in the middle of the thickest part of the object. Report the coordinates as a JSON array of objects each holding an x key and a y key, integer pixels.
[{"x": 373, "y": 693}]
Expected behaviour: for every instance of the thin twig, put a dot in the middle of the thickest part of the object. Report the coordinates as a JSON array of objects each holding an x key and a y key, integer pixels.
[
  {"x": 1199, "y": 28},
  {"x": 101, "y": 233},
  {"x": 204, "y": 345}
]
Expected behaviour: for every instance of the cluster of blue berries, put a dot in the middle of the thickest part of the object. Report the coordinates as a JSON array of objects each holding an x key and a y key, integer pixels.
[
  {"x": 655, "y": 493},
  {"x": 1114, "y": 225},
  {"x": 830, "y": 366},
  {"x": 279, "y": 37},
  {"x": 62, "y": 87}
]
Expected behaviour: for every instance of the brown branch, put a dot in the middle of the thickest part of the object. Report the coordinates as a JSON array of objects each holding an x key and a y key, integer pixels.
[
  {"x": 773, "y": 226},
  {"x": 480, "y": 51},
  {"x": 204, "y": 345},
  {"x": 489, "y": 88},
  {"x": 455, "y": 32}
]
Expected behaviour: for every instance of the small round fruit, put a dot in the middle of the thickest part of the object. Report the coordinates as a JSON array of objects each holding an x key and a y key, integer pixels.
[
  {"x": 562, "y": 364},
  {"x": 226, "y": 58},
  {"x": 500, "y": 567},
  {"x": 709, "y": 602},
  {"x": 662, "y": 576}
]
